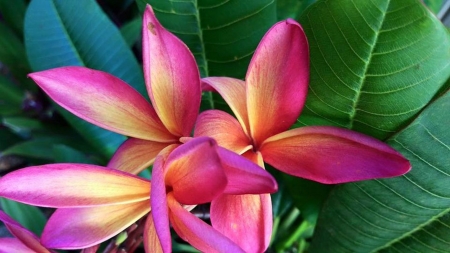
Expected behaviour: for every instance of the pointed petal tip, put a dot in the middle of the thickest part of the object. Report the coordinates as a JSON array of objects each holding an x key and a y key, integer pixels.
[
  {"x": 277, "y": 80},
  {"x": 350, "y": 156},
  {"x": 171, "y": 76}
]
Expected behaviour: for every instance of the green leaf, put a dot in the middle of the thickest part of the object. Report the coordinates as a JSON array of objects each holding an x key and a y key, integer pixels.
[
  {"x": 434, "y": 5},
  {"x": 21, "y": 125},
  {"x": 222, "y": 35},
  {"x": 312, "y": 200},
  {"x": 12, "y": 54},
  {"x": 291, "y": 8},
  {"x": 64, "y": 33},
  {"x": 10, "y": 97},
  {"x": 65, "y": 154},
  {"x": 403, "y": 214},
  {"x": 131, "y": 31},
  {"x": 29, "y": 217},
  {"x": 374, "y": 64},
  {"x": 13, "y": 12},
  {"x": 7, "y": 138},
  {"x": 39, "y": 148}
]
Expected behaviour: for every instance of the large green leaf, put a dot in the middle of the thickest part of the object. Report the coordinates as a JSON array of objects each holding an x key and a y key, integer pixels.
[
  {"x": 63, "y": 33},
  {"x": 404, "y": 214},
  {"x": 222, "y": 35},
  {"x": 374, "y": 64}
]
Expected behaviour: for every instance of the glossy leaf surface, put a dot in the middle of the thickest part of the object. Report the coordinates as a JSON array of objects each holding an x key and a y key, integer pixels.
[
  {"x": 374, "y": 64},
  {"x": 404, "y": 214}
]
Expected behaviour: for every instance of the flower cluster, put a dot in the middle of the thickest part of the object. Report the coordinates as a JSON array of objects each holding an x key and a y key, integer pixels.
[{"x": 222, "y": 164}]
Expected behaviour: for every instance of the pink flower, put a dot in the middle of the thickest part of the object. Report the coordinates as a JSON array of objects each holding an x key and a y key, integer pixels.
[
  {"x": 266, "y": 105},
  {"x": 95, "y": 203},
  {"x": 173, "y": 85}
]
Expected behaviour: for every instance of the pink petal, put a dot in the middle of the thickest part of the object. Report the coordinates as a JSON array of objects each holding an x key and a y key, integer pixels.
[
  {"x": 195, "y": 172},
  {"x": 103, "y": 100},
  {"x": 244, "y": 176},
  {"x": 332, "y": 155},
  {"x": 233, "y": 92},
  {"x": 151, "y": 239},
  {"x": 223, "y": 128},
  {"x": 245, "y": 219},
  {"x": 277, "y": 80},
  {"x": 77, "y": 228},
  {"x": 135, "y": 155},
  {"x": 8, "y": 245},
  {"x": 255, "y": 157},
  {"x": 92, "y": 249},
  {"x": 195, "y": 231},
  {"x": 171, "y": 75},
  {"x": 160, "y": 211},
  {"x": 73, "y": 185},
  {"x": 26, "y": 238}
]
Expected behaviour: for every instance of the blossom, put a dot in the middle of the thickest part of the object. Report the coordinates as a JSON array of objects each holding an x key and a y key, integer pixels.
[
  {"x": 266, "y": 105},
  {"x": 95, "y": 203},
  {"x": 173, "y": 84},
  {"x": 24, "y": 241}
]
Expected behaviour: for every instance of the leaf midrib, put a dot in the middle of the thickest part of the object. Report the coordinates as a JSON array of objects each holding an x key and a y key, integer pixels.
[
  {"x": 66, "y": 32},
  {"x": 366, "y": 67}
]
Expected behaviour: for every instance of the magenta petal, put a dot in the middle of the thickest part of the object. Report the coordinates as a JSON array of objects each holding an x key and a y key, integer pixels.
[
  {"x": 277, "y": 80},
  {"x": 9, "y": 244},
  {"x": 332, "y": 155},
  {"x": 245, "y": 219},
  {"x": 103, "y": 100},
  {"x": 27, "y": 238},
  {"x": 160, "y": 211},
  {"x": 171, "y": 76},
  {"x": 195, "y": 231},
  {"x": 195, "y": 173},
  {"x": 78, "y": 228},
  {"x": 73, "y": 185},
  {"x": 244, "y": 176}
]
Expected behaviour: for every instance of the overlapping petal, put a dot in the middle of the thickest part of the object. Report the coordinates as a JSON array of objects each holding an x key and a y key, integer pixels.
[
  {"x": 9, "y": 244},
  {"x": 245, "y": 219},
  {"x": 194, "y": 172},
  {"x": 277, "y": 80},
  {"x": 104, "y": 100},
  {"x": 28, "y": 239},
  {"x": 76, "y": 228},
  {"x": 171, "y": 76},
  {"x": 195, "y": 231},
  {"x": 134, "y": 155},
  {"x": 73, "y": 185},
  {"x": 233, "y": 92},
  {"x": 244, "y": 176},
  {"x": 151, "y": 240},
  {"x": 223, "y": 128},
  {"x": 332, "y": 155},
  {"x": 160, "y": 211}
]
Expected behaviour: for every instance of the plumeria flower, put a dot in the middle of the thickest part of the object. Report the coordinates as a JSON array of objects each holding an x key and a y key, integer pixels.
[
  {"x": 266, "y": 105},
  {"x": 173, "y": 84},
  {"x": 25, "y": 241},
  {"x": 95, "y": 203}
]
